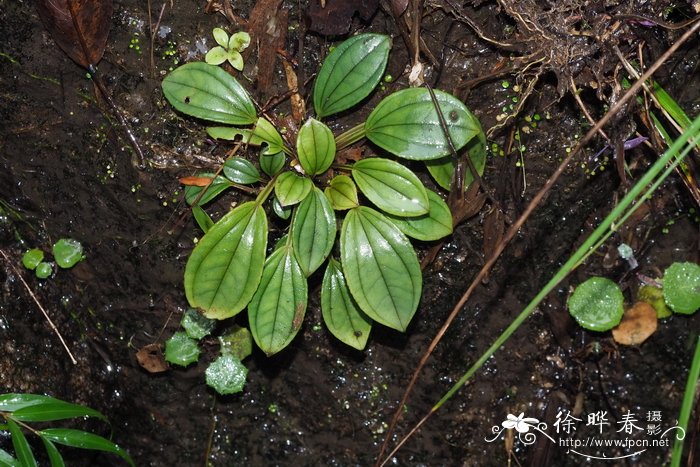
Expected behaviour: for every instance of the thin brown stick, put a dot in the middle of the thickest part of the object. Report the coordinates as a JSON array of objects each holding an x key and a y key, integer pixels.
[
  {"x": 512, "y": 231},
  {"x": 38, "y": 304}
]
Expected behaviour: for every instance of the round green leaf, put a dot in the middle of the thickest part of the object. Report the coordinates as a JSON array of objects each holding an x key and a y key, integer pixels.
[
  {"x": 313, "y": 231},
  {"x": 443, "y": 168},
  {"x": 380, "y": 267},
  {"x": 406, "y": 124},
  {"x": 215, "y": 188},
  {"x": 272, "y": 164},
  {"x": 682, "y": 287},
  {"x": 392, "y": 187},
  {"x": 67, "y": 252},
  {"x": 196, "y": 325},
  {"x": 436, "y": 224},
  {"x": 237, "y": 342},
  {"x": 340, "y": 313},
  {"x": 235, "y": 59},
  {"x": 342, "y": 193},
  {"x": 315, "y": 147},
  {"x": 241, "y": 171},
  {"x": 350, "y": 72},
  {"x": 181, "y": 349},
  {"x": 225, "y": 267},
  {"x": 216, "y": 56},
  {"x": 239, "y": 41},
  {"x": 226, "y": 374},
  {"x": 208, "y": 92},
  {"x": 32, "y": 258},
  {"x": 597, "y": 304},
  {"x": 291, "y": 188},
  {"x": 43, "y": 270},
  {"x": 221, "y": 37},
  {"x": 277, "y": 310}
]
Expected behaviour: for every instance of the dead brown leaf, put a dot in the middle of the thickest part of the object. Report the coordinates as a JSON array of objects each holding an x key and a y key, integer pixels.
[
  {"x": 638, "y": 323},
  {"x": 151, "y": 358}
]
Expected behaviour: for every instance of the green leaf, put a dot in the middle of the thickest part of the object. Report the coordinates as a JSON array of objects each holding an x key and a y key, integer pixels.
[
  {"x": 654, "y": 296},
  {"x": 436, "y": 224},
  {"x": 380, "y": 267},
  {"x": 392, "y": 187},
  {"x": 67, "y": 252},
  {"x": 241, "y": 171},
  {"x": 235, "y": 59},
  {"x": 196, "y": 325},
  {"x": 342, "y": 193},
  {"x": 283, "y": 212},
  {"x": 443, "y": 168},
  {"x": 239, "y": 41},
  {"x": 224, "y": 269},
  {"x": 216, "y": 56},
  {"x": 597, "y": 304},
  {"x": 6, "y": 460},
  {"x": 203, "y": 220},
  {"x": 313, "y": 231},
  {"x": 51, "y": 409},
  {"x": 237, "y": 342},
  {"x": 340, "y": 313},
  {"x": 350, "y": 72},
  {"x": 215, "y": 188},
  {"x": 32, "y": 258},
  {"x": 315, "y": 147},
  {"x": 272, "y": 164},
  {"x": 19, "y": 442},
  {"x": 682, "y": 287},
  {"x": 277, "y": 310},
  {"x": 265, "y": 132},
  {"x": 54, "y": 456},
  {"x": 291, "y": 188},
  {"x": 208, "y": 92},
  {"x": 84, "y": 440},
  {"x": 226, "y": 374},
  {"x": 181, "y": 349},
  {"x": 221, "y": 37},
  {"x": 43, "y": 270},
  {"x": 406, "y": 124},
  {"x": 13, "y": 401}
]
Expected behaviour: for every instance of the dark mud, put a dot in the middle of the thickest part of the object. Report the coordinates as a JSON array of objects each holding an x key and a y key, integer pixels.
[{"x": 68, "y": 171}]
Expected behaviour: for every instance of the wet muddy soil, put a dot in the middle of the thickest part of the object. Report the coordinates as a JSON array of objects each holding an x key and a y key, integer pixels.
[{"x": 68, "y": 171}]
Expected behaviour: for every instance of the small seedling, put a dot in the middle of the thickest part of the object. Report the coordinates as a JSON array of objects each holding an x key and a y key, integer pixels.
[
  {"x": 229, "y": 49},
  {"x": 66, "y": 252}
]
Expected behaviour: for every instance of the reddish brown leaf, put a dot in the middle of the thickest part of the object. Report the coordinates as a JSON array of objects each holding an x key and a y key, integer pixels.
[
  {"x": 638, "y": 323},
  {"x": 196, "y": 181},
  {"x": 79, "y": 27},
  {"x": 150, "y": 357}
]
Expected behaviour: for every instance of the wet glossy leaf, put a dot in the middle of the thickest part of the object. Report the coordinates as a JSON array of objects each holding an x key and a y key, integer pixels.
[
  {"x": 43, "y": 270},
  {"x": 32, "y": 258},
  {"x": 315, "y": 147},
  {"x": 6, "y": 460},
  {"x": 220, "y": 36},
  {"x": 392, "y": 187},
  {"x": 84, "y": 440},
  {"x": 283, "y": 212},
  {"x": 12, "y": 401},
  {"x": 226, "y": 374},
  {"x": 443, "y": 168},
  {"x": 272, "y": 164},
  {"x": 50, "y": 409},
  {"x": 225, "y": 267},
  {"x": 292, "y": 188},
  {"x": 181, "y": 349},
  {"x": 265, "y": 132},
  {"x": 434, "y": 225},
  {"x": 208, "y": 92},
  {"x": 313, "y": 231},
  {"x": 350, "y": 72},
  {"x": 203, "y": 220},
  {"x": 682, "y": 287},
  {"x": 241, "y": 171},
  {"x": 340, "y": 313},
  {"x": 406, "y": 124},
  {"x": 22, "y": 450},
  {"x": 654, "y": 296},
  {"x": 54, "y": 456},
  {"x": 196, "y": 325},
  {"x": 216, "y": 56},
  {"x": 67, "y": 252},
  {"x": 217, "y": 186},
  {"x": 237, "y": 342},
  {"x": 380, "y": 267},
  {"x": 597, "y": 304},
  {"x": 277, "y": 310},
  {"x": 342, "y": 193}
]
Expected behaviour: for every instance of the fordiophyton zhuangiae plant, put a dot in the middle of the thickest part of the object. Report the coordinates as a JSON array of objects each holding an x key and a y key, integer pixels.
[{"x": 374, "y": 275}]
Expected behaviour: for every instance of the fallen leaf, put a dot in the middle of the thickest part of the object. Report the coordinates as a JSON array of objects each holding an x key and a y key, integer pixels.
[
  {"x": 150, "y": 357},
  {"x": 638, "y": 323},
  {"x": 196, "y": 181}
]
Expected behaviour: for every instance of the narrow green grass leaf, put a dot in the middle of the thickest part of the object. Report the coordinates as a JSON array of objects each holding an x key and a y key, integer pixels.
[
  {"x": 350, "y": 72},
  {"x": 315, "y": 147},
  {"x": 6, "y": 460},
  {"x": 11, "y": 402},
  {"x": 434, "y": 225},
  {"x": 225, "y": 267},
  {"x": 208, "y": 92},
  {"x": 54, "y": 409},
  {"x": 277, "y": 310},
  {"x": 291, "y": 188},
  {"x": 392, "y": 187},
  {"x": 313, "y": 231},
  {"x": 406, "y": 124},
  {"x": 54, "y": 456},
  {"x": 340, "y": 313},
  {"x": 24, "y": 453},
  {"x": 380, "y": 267},
  {"x": 84, "y": 440}
]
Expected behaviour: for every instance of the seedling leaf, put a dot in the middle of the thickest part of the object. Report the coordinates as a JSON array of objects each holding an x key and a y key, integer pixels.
[
  {"x": 181, "y": 349},
  {"x": 67, "y": 252},
  {"x": 597, "y": 304},
  {"x": 313, "y": 231},
  {"x": 392, "y": 187},
  {"x": 32, "y": 258},
  {"x": 226, "y": 374},
  {"x": 237, "y": 342},
  {"x": 196, "y": 325},
  {"x": 225, "y": 267},
  {"x": 380, "y": 267},
  {"x": 682, "y": 287},
  {"x": 208, "y": 92},
  {"x": 350, "y": 72},
  {"x": 406, "y": 124}
]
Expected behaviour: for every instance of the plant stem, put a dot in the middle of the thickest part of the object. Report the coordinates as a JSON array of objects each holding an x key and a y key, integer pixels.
[
  {"x": 350, "y": 136},
  {"x": 686, "y": 406},
  {"x": 265, "y": 193}
]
